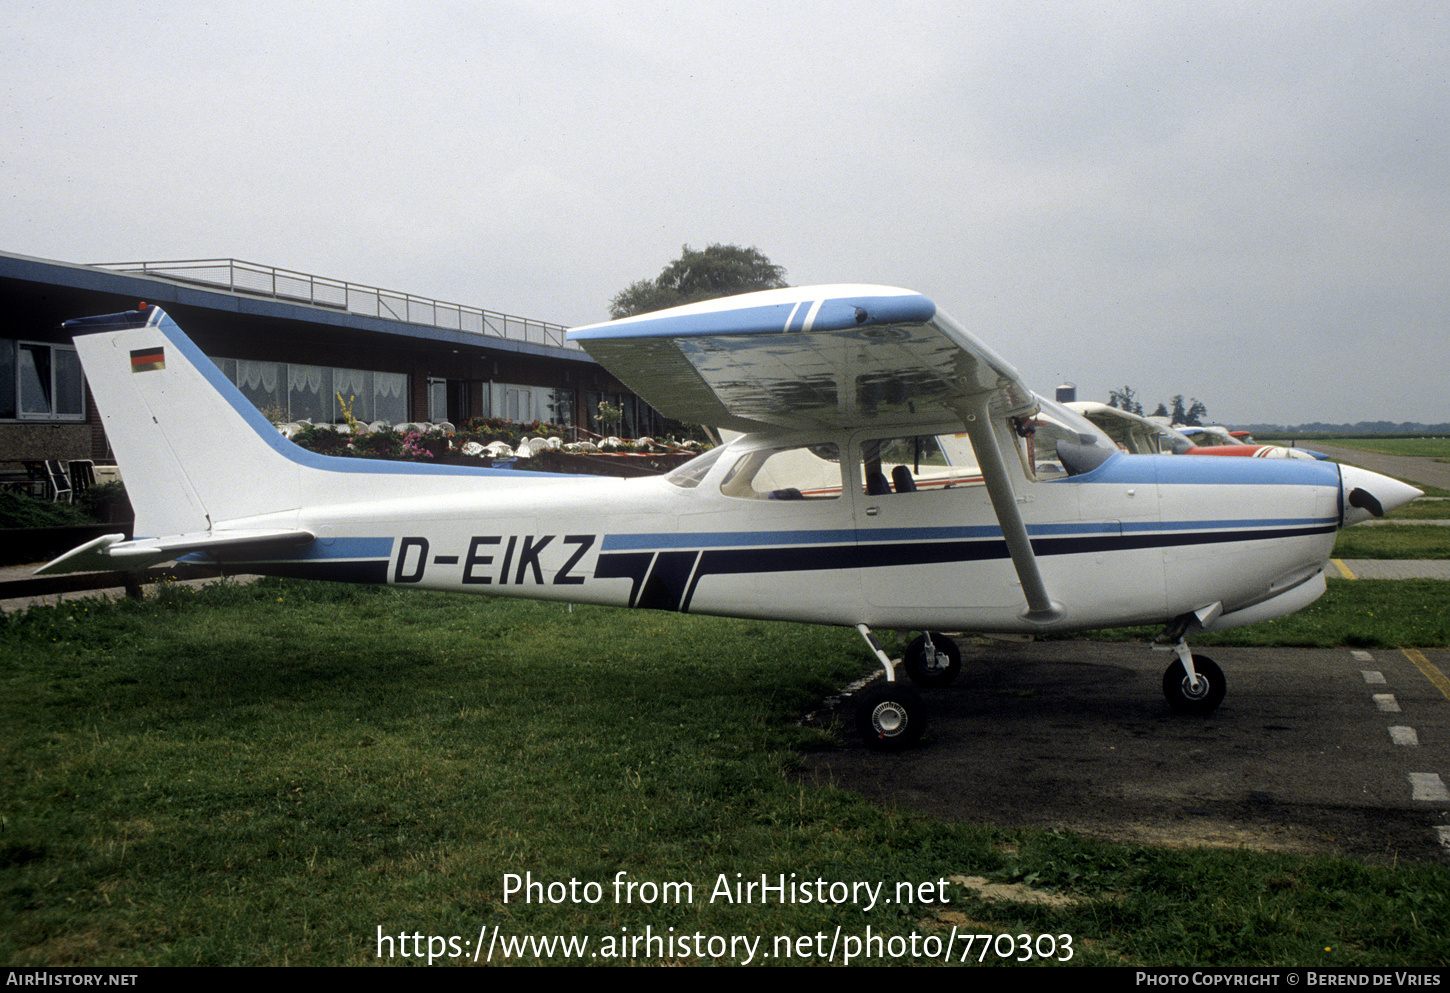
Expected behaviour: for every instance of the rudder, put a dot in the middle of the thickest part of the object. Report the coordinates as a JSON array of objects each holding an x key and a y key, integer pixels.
[{"x": 193, "y": 451}]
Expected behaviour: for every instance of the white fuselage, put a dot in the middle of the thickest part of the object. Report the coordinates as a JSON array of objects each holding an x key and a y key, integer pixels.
[
  {"x": 1140, "y": 539},
  {"x": 887, "y": 525}
]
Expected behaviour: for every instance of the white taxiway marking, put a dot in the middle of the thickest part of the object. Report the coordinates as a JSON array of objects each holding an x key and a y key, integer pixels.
[
  {"x": 1359, "y": 655},
  {"x": 1386, "y": 703},
  {"x": 1404, "y": 736},
  {"x": 1427, "y": 786},
  {"x": 1372, "y": 677}
]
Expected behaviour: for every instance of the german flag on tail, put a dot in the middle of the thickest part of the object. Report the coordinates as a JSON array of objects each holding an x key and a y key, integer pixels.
[{"x": 147, "y": 359}]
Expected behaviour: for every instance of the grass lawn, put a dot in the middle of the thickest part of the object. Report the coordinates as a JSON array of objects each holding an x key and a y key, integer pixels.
[
  {"x": 1435, "y": 448},
  {"x": 1393, "y": 541},
  {"x": 1422, "y": 510},
  {"x": 281, "y": 773},
  {"x": 1364, "y": 613}
]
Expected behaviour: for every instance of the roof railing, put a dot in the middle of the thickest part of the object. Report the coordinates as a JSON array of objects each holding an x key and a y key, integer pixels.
[{"x": 352, "y": 298}]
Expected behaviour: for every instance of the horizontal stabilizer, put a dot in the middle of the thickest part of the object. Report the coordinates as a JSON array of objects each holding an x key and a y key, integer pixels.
[{"x": 113, "y": 551}]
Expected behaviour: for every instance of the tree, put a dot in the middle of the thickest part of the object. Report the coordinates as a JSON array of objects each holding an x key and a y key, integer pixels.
[
  {"x": 1162, "y": 411},
  {"x": 718, "y": 271},
  {"x": 1125, "y": 399},
  {"x": 641, "y": 297},
  {"x": 1191, "y": 415}
]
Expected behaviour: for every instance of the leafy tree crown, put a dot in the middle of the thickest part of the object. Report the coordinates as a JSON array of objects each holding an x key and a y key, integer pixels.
[{"x": 717, "y": 271}]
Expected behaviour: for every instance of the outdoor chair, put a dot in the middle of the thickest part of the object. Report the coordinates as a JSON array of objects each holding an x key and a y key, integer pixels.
[
  {"x": 58, "y": 483},
  {"x": 82, "y": 475}
]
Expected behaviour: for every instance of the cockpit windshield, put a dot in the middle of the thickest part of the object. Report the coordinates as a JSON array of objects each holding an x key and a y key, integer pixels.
[
  {"x": 688, "y": 476},
  {"x": 1072, "y": 421},
  {"x": 1053, "y": 431}
]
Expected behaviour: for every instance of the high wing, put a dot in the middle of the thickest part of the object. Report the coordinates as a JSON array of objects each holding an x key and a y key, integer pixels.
[
  {"x": 816, "y": 356},
  {"x": 837, "y": 356}
]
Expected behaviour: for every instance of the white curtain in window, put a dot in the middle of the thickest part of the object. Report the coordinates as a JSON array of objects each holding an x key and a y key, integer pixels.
[
  {"x": 390, "y": 390},
  {"x": 350, "y": 382},
  {"x": 389, "y": 384},
  {"x": 304, "y": 378},
  {"x": 251, "y": 375}
]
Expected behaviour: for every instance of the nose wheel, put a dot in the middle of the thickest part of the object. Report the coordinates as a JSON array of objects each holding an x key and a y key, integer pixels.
[
  {"x": 1198, "y": 693},
  {"x": 1194, "y": 684}
]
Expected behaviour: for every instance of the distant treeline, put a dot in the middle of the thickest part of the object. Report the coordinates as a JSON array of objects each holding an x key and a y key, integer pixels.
[{"x": 1367, "y": 429}]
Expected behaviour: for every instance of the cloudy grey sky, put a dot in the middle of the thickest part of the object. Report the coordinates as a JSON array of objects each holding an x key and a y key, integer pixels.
[{"x": 1242, "y": 202}]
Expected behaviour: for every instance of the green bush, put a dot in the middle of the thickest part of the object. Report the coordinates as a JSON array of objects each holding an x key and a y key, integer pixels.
[{"x": 17, "y": 510}]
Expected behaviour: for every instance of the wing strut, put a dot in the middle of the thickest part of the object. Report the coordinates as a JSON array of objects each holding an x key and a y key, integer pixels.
[{"x": 976, "y": 415}]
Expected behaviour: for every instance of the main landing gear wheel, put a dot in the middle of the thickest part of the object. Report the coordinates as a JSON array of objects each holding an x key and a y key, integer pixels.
[
  {"x": 1181, "y": 694},
  {"x": 935, "y": 666},
  {"x": 891, "y": 717}
]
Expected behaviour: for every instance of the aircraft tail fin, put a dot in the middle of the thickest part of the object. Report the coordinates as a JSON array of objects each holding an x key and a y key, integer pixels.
[{"x": 193, "y": 451}]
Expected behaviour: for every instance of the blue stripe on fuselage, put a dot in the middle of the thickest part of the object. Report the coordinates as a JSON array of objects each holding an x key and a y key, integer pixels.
[
  {"x": 788, "y": 540},
  {"x": 1206, "y": 470},
  {"x": 723, "y": 539},
  {"x": 332, "y": 549}
]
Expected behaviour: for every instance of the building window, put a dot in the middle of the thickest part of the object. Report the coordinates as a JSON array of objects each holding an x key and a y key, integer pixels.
[
  {"x": 525, "y": 404},
  {"x": 437, "y": 400},
  {"x": 40, "y": 382},
  {"x": 636, "y": 418},
  {"x": 295, "y": 392}
]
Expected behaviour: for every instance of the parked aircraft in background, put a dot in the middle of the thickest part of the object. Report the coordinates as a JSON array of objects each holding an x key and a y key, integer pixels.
[
  {"x": 1133, "y": 433},
  {"x": 1207, "y": 435},
  {"x": 894, "y": 472},
  {"x": 1141, "y": 435},
  {"x": 1220, "y": 441}
]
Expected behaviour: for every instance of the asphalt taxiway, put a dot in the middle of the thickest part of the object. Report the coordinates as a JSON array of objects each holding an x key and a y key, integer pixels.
[{"x": 1313, "y": 750}]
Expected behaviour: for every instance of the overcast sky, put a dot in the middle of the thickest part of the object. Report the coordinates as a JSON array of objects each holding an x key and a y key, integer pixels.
[{"x": 1241, "y": 202}]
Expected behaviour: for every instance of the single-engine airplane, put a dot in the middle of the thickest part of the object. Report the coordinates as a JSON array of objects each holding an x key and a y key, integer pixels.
[
  {"x": 1215, "y": 440},
  {"x": 894, "y": 472}
]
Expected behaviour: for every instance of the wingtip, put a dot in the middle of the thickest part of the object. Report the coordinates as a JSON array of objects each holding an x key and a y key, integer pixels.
[{"x": 89, "y": 557}]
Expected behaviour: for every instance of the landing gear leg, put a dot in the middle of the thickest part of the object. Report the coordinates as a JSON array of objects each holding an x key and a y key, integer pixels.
[
  {"x": 890, "y": 716},
  {"x": 1194, "y": 684}
]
